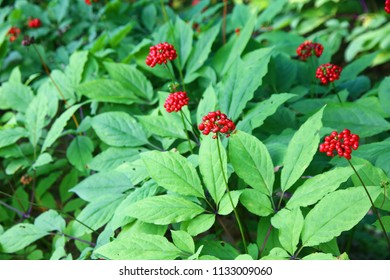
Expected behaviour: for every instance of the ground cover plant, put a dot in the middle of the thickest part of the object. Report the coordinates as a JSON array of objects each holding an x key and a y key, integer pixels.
[{"x": 195, "y": 129}]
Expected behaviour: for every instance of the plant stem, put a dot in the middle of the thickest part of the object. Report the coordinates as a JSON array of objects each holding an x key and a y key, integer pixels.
[
  {"x": 337, "y": 94},
  {"x": 280, "y": 201},
  {"x": 230, "y": 197},
  {"x": 372, "y": 203},
  {"x": 17, "y": 211},
  {"x": 185, "y": 130},
  {"x": 265, "y": 240},
  {"x": 78, "y": 239},
  {"x": 54, "y": 83},
  {"x": 224, "y": 22}
]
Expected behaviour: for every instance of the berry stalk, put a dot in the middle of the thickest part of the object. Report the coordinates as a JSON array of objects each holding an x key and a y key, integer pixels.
[{"x": 185, "y": 130}]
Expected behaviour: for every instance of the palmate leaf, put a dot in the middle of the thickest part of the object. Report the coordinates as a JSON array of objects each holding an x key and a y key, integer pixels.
[
  {"x": 173, "y": 172},
  {"x": 301, "y": 150},
  {"x": 337, "y": 212},
  {"x": 163, "y": 210}
]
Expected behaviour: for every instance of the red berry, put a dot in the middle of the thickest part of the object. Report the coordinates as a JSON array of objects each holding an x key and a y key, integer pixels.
[
  {"x": 328, "y": 73},
  {"x": 308, "y": 48},
  {"x": 340, "y": 143},
  {"x": 34, "y": 23},
  {"x": 175, "y": 101},
  {"x": 13, "y": 32},
  {"x": 216, "y": 122},
  {"x": 387, "y": 6},
  {"x": 160, "y": 54}
]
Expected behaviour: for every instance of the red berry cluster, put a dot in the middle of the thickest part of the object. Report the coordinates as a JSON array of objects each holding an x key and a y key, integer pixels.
[
  {"x": 13, "y": 33},
  {"x": 342, "y": 143},
  {"x": 34, "y": 23},
  {"x": 308, "y": 48},
  {"x": 88, "y": 2},
  {"x": 216, "y": 122},
  {"x": 160, "y": 54},
  {"x": 387, "y": 6},
  {"x": 328, "y": 73},
  {"x": 175, "y": 101}
]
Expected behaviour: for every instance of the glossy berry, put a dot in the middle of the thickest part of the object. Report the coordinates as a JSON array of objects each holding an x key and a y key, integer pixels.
[
  {"x": 328, "y": 73},
  {"x": 216, "y": 122},
  {"x": 340, "y": 144},
  {"x": 308, "y": 48},
  {"x": 160, "y": 54},
  {"x": 387, "y": 6},
  {"x": 34, "y": 23},
  {"x": 175, "y": 101},
  {"x": 13, "y": 33}
]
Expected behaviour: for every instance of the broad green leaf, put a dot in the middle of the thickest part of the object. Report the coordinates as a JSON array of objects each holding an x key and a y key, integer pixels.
[
  {"x": 79, "y": 152},
  {"x": 353, "y": 69},
  {"x": 243, "y": 78},
  {"x": 183, "y": 40},
  {"x": 35, "y": 118},
  {"x": 174, "y": 172},
  {"x": 112, "y": 158},
  {"x": 58, "y": 126},
  {"x": 384, "y": 95},
  {"x": 225, "y": 206},
  {"x": 65, "y": 85},
  {"x": 20, "y": 236},
  {"x": 319, "y": 256},
  {"x": 210, "y": 167},
  {"x": 107, "y": 91},
  {"x": 160, "y": 126},
  {"x": 15, "y": 96},
  {"x": 290, "y": 224},
  {"x": 120, "y": 33},
  {"x": 274, "y": 8},
  {"x": 183, "y": 241},
  {"x": 207, "y": 103},
  {"x": 256, "y": 202},
  {"x": 219, "y": 249},
  {"x": 318, "y": 186},
  {"x": 10, "y": 136},
  {"x": 252, "y": 162},
  {"x": 163, "y": 210},
  {"x": 257, "y": 115},
  {"x": 337, "y": 212},
  {"x": 76, "y": 66},
  {"x": 199, "y": 224},
  {"x": 386, "y": 223},
  {"x": 301, "y": 150},
  {"x": 42, "y": 159},
  {"x": 202, "y": 49},
  {"x": 96, "y": 214},
  {"x": 101, "y": 184},
  {"x": 131, "y": 78},
  {"x": 139, "y": 247},
  {"x": 49, "y": 221},
  {"x": 119, "y": 129},
  {"x": 277, "y": 254},
  {"x": 138, "y": 227},
  {"x": 358, "y": 119}
]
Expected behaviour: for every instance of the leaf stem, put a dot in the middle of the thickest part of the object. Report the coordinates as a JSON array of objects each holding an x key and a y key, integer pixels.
[
  {"x": 372, "y": 203},
  {"x": 185, "y": 130},
  {"x": 230, "y": 197},
  {"x": 224, "y": 22}
]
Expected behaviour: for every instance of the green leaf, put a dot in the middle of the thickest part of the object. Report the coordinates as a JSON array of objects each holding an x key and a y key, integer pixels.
[
  {"x": 160, "y": 126},
  {"x": 225, "y": 206},
  {"x": 357, "y": 118},
  {"x": 172, "y": 171},
  {"x": 64, "y": 83},
  {"x": 386, "y": 223},
  {"x": 256, "y": 202},
  {"x": 353, "y": 69},
  {"x": 57, "y": 127},
  {"x": 139, "y": 247},
  {"x": 163, "y": 210},
  {"x": 183, "y": 40},
  {"x": 319, "y": 256},
  {"x": 35, "y": 118},
  {"x": 210, "y": 167},
  {"x": 49, "y": 221},
  {"x": 257, "y": 115},
  {"x": 76, "y": 66},
  {"x": 119, "y": 34},
  {"x": 79, "y": 152},
  {"x": 207, "y": 104},
  {"x": 16, "y": 96},
  {"x": 183, "y": 241},
  {"x": 131, "y": 78},
  {"x": 107, "y": 91},
  {"x": 42, "y": 159},
  {"x": 10, "y": 136},
  {"x": 384, "y": 95},
  {"x": 119, "y": 129},
  {"x": 252, "y": 162},
  {"x": 290, "y": 224},
  {"x": 318, "y": 186},
  {"x": 101, "y": 184},
  {"x": 96, "y": 214},
  {"x": 202, "y": 49},
  {"x": 243, "y": 78},
  {"x": 337, "y": 212},
  {"x": 199, "y": 224},
  {"x": 277, "y": 254},
  {"x": 301, "y": 150},
  {"x": 112, "y": 158},
  {"x": 20, "y": 236}
]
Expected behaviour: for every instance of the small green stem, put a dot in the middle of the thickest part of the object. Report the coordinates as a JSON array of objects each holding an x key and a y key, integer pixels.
[
  {"x": 185, "y": 130},
  {"x": 372, "y": 203},
  {"x": 230, "y": 197},
  {"x": 337, "y": 94},
  {"x": 280, "y": 201}
]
